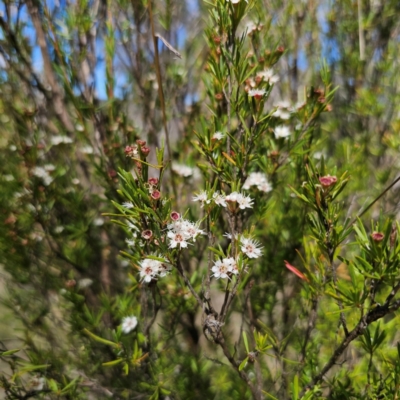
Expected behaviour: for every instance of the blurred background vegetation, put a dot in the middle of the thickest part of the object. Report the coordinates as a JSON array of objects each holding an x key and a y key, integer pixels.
[{"x": 78, "y": 83}]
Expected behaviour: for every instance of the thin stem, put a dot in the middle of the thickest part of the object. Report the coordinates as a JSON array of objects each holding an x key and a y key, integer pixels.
[
  {"x": 373, "y": 315},
  {"x": 375, "y": 200},
  {"x": 161, "y": 95},
  {"x": 187, "y": 283},
  {"x": 221, "y": 342},
  {"x": 310, "y": 326}
]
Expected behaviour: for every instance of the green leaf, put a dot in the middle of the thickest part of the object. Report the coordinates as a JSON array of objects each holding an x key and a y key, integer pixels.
[
  {"x": 112, "y": 363},
  {"x": 9, "y": 352},
  {"x": 246, "y": 343},
  {"x": 295, "y": 388},
  {"x": 101, "y": 340},
  {"x": 243, "y": 364}
]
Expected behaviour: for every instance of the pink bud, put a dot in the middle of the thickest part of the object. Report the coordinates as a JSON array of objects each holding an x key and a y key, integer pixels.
[
  {"x": 155, "y": 195},
  {"x": 153, "y": 181},
  {"x": 377, "y": 236},
  {"x": 128, "y": 150},
  {"x": 147, "y": 234},
  {"x": 70, "y": 283},
  {"x": 175, "y": 216},
  {"x": 327, "y": 181},
  {"x": 145, "y": 151},
  {"x": 296, "y": 272}
]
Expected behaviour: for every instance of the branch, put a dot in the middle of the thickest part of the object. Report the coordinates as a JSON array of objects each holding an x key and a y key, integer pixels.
[
  {"x": 372, "y": 316},
  {"x": 57, "y": 98},
  {"x": 161, "y": 95}
]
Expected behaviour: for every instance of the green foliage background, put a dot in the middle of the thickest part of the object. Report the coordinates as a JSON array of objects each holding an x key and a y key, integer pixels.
[{"x": 81, "y": 81}]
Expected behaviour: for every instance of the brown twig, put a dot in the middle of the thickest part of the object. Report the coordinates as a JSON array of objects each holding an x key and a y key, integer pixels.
[
  {"x": 372, "y": 316},
  {"x": 161, "y": 94},
  {"x": 57, "y": 98}
]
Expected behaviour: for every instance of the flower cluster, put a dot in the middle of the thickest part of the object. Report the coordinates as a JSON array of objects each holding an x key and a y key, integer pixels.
[
  {"x": 257, "y": 179},
  {"x": 267, "y": 76},
  {"x": 225, "y": 268},
  {"x": 131, "y": 151},
  {"x": 44, "y": 173},
  {"x": 242, "y": 200},
  {"x": 180, "y": 231},
  {"x": 56, "y": 140},
  {"x": 258, "y": 94},
  {"x": 283, "y": 110},
  {"x": 152, "y": 269},
  {"x": 222, "y": 200}
]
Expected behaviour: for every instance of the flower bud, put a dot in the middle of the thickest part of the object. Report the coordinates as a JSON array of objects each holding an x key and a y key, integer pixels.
[
  {"x": 70, "y": 283},
  {"x": 147, "y": 234},
  {"x": 153, "y": 181},
  {"x": 175, "y": 216},
  {"x": 155, "y": 195},
  {"x": 145, "y": 151},
  {"x": 327, "y": 181},
  {"x": 377, "y": 236}
]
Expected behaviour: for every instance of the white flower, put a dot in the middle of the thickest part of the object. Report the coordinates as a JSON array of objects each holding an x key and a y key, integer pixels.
[
  {"x": 182, "y": 230},
  {"x": 222, "y": 268},
  {"x": 257, "y": 93},
  {"x": 8, "y": 178},
  {"x": 163, "y": 269},
  {"x": 218, "y": 136},
  {"x": 268, "y": 76},
  {"x": 87, "y": 149},
  {"x": 191, "y": 230},
  {"x": 129, "y": 324},
  {"x": 251, "y": 248},
  {"x": 149, "y": 269},
  {"x": 282, "y": 114},
  {"x": 49, "y": 167},
  {"x": 36, "y": 384},
  {"x": 42, "y": 173},
  {"x": 283, "y": 110},
  {"x": 177, "y": 238},
  {"x": 236, "y": 1},
  {"x": 152, "y": 269},
  {"x": 219, "y": 199},
  {"x": 257, "y": 179},
  {"x": 241, "y": 199},
  {"x": 182, "y": 170},
  {"x": 130, "y": 242},
  {"x": 98, "y": 221},
  {"x": 282, "y": 131},
  {"x": 265, "y": 187},
  {"x": 202, "y": 197},
  {"x": 127, "y": 204},
  {"x": 56, "y": 140},
  {"x": 84, "y": 283},
  {"x": 232, "y": 197},
  {"x": 245, "y": 202},
  {"x": 234, "y": 267},
  {"x": 58, "y": 229}
]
